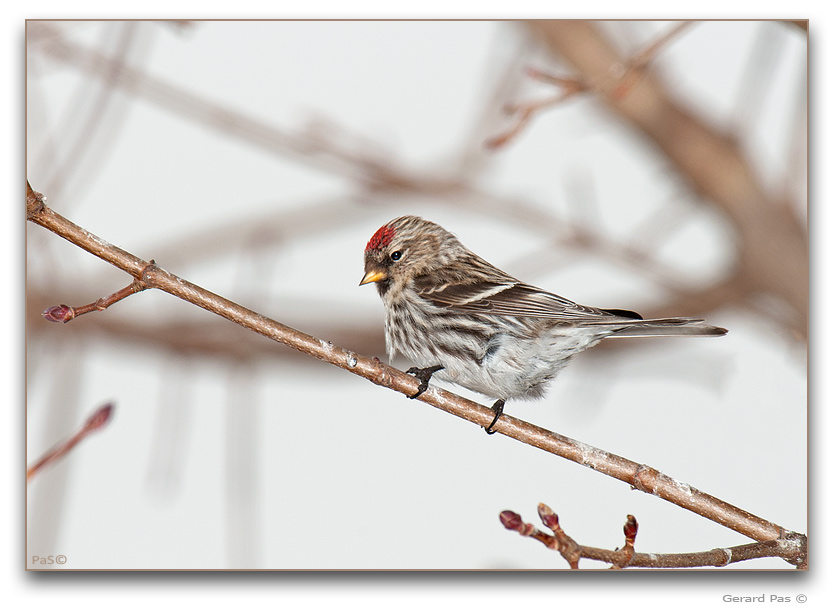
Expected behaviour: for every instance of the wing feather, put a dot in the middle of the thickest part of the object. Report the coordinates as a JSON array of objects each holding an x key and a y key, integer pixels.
[
  {"x": 488, "y": 290},
  {"x": 512, "y": 299}
]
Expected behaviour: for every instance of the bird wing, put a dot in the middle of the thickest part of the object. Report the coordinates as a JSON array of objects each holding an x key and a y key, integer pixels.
[
  {"x": 515, "y": 299},
  {"x": 503, "y": 295}
]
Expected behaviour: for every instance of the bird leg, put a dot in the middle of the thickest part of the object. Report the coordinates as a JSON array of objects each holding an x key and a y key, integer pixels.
[
  {"x": 498, "y": 408},
  {"x": 423, "y": 375}
]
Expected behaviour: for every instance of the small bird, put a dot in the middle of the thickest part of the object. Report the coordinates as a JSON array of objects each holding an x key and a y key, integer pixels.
[{"x": 457, "y": 316}]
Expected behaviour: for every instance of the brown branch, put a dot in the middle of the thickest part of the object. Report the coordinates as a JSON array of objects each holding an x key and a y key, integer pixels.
[
  {"x": 772, "y": 253},
  {"x": 637, "y": 475},
  {"x": 95, "y": 422},
  {"x": 647, "y": 55},
  {"x": 617, "y": 85},
  {"x": 791, "y": 547}
]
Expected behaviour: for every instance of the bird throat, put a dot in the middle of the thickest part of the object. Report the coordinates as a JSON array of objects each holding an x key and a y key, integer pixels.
[{"x": 383, "y": 286}]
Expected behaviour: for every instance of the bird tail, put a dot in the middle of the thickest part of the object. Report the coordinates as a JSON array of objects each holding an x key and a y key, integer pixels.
[{"x": 670, "y": 327}]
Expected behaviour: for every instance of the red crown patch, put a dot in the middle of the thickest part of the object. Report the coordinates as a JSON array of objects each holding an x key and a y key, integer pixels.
[{"x": 381, "y": 238}]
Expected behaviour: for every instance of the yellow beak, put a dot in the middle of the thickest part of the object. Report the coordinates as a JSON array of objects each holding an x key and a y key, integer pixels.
[{"x": 374, "y": 275}]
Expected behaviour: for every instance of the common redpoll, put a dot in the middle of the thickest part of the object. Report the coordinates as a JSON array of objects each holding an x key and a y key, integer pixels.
[{"x": 455, "y": 315}]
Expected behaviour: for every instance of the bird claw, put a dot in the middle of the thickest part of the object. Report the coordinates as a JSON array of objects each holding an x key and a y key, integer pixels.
[
  {"x": 423, "y": 375},
  {"x": 498, "y": 408}
]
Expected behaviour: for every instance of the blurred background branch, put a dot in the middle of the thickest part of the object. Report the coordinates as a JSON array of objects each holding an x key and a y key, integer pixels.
[
  {"x": 769, "y": 270},
  {"x": 771, "y": 237}
]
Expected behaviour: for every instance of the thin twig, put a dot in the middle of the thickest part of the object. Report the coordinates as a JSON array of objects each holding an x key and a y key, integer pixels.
[
  {"x": 95, "y": 422},
  {"x": 639, "y": 476},
  {"x": 563, "y": 543},
  {"x": 525, "y": 113},
  {"x": 617, "y": 85},
  {"x": 65, "y": 313}
]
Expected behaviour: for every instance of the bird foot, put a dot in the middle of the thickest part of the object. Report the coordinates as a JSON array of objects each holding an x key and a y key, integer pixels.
[
  {"x": 498, "y": 408},
  {"x": 423, "y": 375}
]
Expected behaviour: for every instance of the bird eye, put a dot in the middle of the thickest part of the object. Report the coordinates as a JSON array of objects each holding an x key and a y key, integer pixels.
[{"x": 395, "y": 256}]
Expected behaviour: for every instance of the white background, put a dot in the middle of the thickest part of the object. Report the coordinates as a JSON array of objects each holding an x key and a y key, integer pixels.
[{"x": 365, "y": 504}]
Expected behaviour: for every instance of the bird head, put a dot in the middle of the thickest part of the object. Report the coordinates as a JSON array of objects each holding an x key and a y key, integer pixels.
[{"x": 405, "y": 248}]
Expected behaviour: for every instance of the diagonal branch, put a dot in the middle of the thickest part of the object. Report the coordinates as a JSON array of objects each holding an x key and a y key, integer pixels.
[{"x": 639, "y": 476}]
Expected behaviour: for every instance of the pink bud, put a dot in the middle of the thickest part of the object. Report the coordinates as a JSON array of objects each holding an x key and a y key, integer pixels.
[
  {"x": 100, "y": 417},
  {"x": 59, "y": 313},
  {"x": 548, "y": 517},
  {"x": 630, "y": 528},
  {"x": 511, "y": 520}
]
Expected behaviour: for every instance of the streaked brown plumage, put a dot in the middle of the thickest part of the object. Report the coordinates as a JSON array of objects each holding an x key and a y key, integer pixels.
[{"x": 457, "y": 316}]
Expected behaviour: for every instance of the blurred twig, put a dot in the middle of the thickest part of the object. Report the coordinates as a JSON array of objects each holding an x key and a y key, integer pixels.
[
  {"x": 92, "y": 123},
  {"x": 772, "y": 242},
  {"x": 96, "y": 421},
  {"x": 307, "y": 145},
  {"x": 617, "y": 83}
]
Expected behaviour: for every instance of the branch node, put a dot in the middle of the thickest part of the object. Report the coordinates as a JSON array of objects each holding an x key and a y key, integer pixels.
[
  {"x": 637, "y": 481},
  {"x": 35, "y": 202},
  {"x": 795, "y": 546},
  {"x": 566, "y": 545},
  {"x": 143, "y": 280}
]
